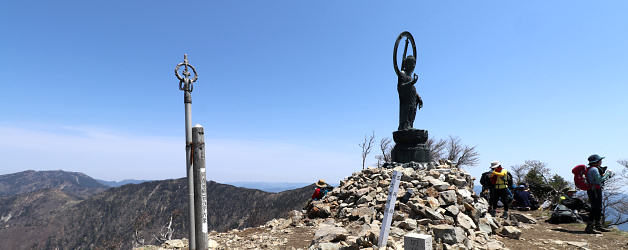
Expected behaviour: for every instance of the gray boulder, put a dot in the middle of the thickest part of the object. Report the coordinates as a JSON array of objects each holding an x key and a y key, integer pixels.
[
  {"x": 449, "y": 197},
  {"x": 511, "y": 232},
  {"x": 523, "y": 218},
  {"x": 330, "y": 233},
  {"x": 452, "y": 210},
  {"x": 362, "y": 212},
  {"x": 485, "y": 226},
  {"x": 448, "y": 234},
  {"x": 408, "y": 224},
  {"x": 439, "y": 185},
  {"x": 326, "y": 246},
  {"x": 465, "y": 221}
]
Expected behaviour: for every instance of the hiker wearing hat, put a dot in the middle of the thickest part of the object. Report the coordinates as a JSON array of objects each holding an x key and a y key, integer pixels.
[
  {"x": 567, "y": 209},
  {"x": 321, "y": 190},
  {"x": 596, "y": 179},
  {"x": 502, "y": 181},
  {"x": 572, "y": 202}
]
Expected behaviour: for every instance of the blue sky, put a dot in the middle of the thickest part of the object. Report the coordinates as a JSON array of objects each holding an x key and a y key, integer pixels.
[{"x": 287, "y": 89}]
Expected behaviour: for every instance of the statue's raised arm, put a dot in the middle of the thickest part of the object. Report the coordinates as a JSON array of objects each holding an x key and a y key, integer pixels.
[{"x": 409, "y": 40}]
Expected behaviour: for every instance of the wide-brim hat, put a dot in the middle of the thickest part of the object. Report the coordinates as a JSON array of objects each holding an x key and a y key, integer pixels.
[
  {"x": 321, "y": 183},
  {"x": 594, "y": 158},
  {"x": 569, "y": 190},
  {"x": 495, "y": 164}
]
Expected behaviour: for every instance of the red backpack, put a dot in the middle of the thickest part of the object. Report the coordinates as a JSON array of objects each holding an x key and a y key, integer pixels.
[{"x": 580, "y": 177}]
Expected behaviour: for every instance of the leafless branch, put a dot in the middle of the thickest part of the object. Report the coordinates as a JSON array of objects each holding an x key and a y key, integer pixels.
[
  {"x": 367, "y": 146},
  {"x": 453, "y": 148},
  {"x": 436, "y": 148},
  {"x": 519, "y": 171},
  {"x": 165, "y": 233},
  {"x": 385, "y": 148},
  {"x": 615, "y": 201},
  {"x": 538, "y": 167},
  {"x": 469, "y": 157},
  {"x": 456, "y": 152}
]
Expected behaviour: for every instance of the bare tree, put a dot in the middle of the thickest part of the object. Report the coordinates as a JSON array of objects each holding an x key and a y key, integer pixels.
[
  {"x": 624, "y": 172},
  {"x": 436, "y": 148},
  {"x": 367, "y": 146},
  {"x": 614, "y": 200},
  {"x": 519, "y": 172},
  {"x": 138, "y": 225},
  {"x": 453, "y": 150},
  {"x": 469, "y": 157},
  {"x": 386, "y": 148},
  {"x": 539, "y": 168},
  {"x": 165, "y": 233},
  {"x": 461, "y": 155}
]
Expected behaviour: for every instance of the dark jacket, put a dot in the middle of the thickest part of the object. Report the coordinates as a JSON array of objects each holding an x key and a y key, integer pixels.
[{"x": 523, "y": 198}]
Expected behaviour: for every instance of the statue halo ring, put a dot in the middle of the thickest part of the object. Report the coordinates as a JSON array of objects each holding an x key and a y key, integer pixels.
[{"x": 408, "y": 38}]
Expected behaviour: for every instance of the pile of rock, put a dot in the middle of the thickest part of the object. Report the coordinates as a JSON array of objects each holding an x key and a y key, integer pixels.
[{"x": 442, "y": 204}]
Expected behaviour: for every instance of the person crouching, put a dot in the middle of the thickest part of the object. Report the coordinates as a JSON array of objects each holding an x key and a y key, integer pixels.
[{"x": 321, "y": 190}]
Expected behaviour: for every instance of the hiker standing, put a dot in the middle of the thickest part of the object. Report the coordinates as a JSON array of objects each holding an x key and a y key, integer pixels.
[
  {"x": 501, "y": 180},
  {"x": 596, "y": 180},
  {"x": 485, "y": 181}
]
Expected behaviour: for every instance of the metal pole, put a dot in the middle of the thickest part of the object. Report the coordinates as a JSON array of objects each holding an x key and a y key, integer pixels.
[
  {"x": 185, "y": 84},
  {"x": 189, "y": 167},
  {"x": 200, "y": 187}
]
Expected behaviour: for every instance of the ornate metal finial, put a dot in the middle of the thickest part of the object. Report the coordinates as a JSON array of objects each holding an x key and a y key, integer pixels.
[{"x": 185, "y": 83}]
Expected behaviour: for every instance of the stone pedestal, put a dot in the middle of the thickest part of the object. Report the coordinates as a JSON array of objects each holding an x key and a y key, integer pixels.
[
  {"x": 414, "y": 241},
  {"x": 410, "y": 146}
]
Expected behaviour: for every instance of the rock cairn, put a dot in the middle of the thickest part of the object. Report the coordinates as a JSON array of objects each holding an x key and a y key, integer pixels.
[{"x": 442, "y": 204}]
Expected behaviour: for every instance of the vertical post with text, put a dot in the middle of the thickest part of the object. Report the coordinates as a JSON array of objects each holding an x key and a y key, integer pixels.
[
  {"x": 390, "y": 209},
  {"x": 200, "y": 187}
]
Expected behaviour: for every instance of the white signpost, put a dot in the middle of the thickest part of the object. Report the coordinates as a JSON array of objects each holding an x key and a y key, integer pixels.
[{"x": 390, "y": 208}]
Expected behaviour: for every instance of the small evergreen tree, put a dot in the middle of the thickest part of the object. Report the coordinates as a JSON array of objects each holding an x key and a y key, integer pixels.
[{"x": 558, "y": 182}]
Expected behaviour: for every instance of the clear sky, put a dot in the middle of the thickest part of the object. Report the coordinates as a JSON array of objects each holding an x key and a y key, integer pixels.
[{"x": 287, "y": 89}]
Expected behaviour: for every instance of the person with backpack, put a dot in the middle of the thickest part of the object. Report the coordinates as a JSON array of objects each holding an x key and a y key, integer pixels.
[
  {"x": 485, "y": 181},
  {"x": 501, "y": 181},
  {"x": 321, "y": 190},
  {"x": 595, "y": 179}
]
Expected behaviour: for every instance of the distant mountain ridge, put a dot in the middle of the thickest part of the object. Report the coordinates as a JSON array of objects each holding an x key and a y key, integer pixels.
[
  {"x": 120, "y": 183},
  {"x": 271, "y": 187},
  {"x": 73, "y": 183},
  {"x": 120, "y": 217}
]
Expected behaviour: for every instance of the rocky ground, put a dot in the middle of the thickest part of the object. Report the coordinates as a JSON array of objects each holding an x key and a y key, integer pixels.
[
  {"x": 442, "y": 205},
  {"x": 565, "y": 236}
]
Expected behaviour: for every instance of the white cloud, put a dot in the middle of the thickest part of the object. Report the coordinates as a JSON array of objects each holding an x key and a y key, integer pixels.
[{"x": 112, "y": 155}]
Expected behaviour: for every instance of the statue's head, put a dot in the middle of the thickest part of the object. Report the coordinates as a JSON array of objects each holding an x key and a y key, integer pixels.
[{"x": 408, "y": 64}]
